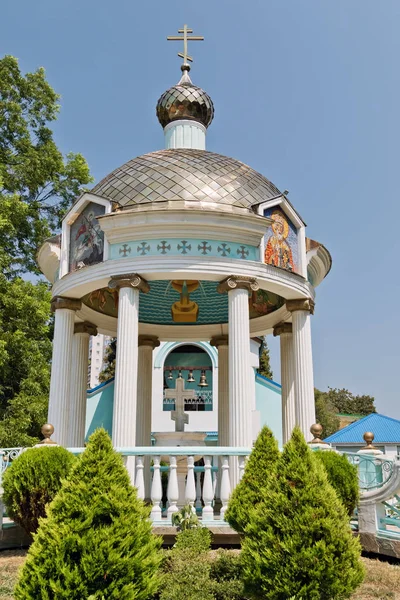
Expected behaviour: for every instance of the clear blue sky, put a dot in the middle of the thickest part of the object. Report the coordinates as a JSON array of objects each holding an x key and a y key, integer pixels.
[{"x": 306, "y": 92}]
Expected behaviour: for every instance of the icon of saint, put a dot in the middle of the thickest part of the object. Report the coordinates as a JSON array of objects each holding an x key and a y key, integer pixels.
[{"x": 278, "y": 251}]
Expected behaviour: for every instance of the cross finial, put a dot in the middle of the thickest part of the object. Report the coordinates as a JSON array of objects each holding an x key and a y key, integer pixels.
[{"x": 185, "y": 38}]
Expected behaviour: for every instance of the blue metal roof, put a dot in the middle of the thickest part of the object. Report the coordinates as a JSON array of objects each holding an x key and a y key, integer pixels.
[{"x": 385, "y": 430}]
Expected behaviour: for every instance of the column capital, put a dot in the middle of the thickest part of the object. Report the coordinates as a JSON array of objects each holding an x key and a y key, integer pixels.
[
  {"x": 148, "y": 340},
  {"x": 61, "y": 302},
  {"x": 306, "y": 304},
  {"x": 238, "y": 282},
  {"x": 282, "y": 328},
  {"x": 85, "y": 327},
  {"x": 129, "y": 280},
  {"x": 219, "y": 340}
]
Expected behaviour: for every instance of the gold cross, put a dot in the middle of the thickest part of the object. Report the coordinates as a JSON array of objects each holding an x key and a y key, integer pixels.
[{"x": 185, "y": 38}]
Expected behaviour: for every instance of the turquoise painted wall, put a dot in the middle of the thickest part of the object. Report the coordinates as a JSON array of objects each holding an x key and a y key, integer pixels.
[
  {"x": 269, "y": 404},
  {"x": 99, "y": 408}
]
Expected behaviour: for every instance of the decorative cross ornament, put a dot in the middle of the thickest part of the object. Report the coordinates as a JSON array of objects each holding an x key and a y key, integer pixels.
[
  {"x": 185, "y": 38},
  {"x": 179, "y": 394},
  {"x": 125, "y": 250}
]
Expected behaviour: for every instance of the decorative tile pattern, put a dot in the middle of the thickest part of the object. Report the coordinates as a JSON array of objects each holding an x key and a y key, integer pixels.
[
  {"x": 186, "y": 174},
  {"x": 176, "y": 247}
]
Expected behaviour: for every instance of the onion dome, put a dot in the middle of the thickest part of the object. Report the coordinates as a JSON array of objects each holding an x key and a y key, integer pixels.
[{"x": 185, "y": 101}]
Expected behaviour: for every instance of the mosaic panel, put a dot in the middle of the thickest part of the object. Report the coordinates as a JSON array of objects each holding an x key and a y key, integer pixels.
[
  {"x": 155, "y": 307},
  {"x": 86, "y": 238},
  {"x": 188, "y": 247},
  {"x": 281, "y": 243}
]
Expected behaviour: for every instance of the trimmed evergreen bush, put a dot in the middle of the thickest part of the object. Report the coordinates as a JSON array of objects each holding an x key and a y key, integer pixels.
[
  {"x": 31, "y": 482},
  {"x": 96, "y": 542},
  {"x": 343, "y": 477},
  {"x": 259, "y": 469},
  {"x": 226, "y": 576},
  {"x": 187, "y": 568},
  {"x": 298, "y": 543}
]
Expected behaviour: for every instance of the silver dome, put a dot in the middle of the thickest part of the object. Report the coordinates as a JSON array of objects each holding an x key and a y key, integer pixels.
[{"x": 185, "y": 174}]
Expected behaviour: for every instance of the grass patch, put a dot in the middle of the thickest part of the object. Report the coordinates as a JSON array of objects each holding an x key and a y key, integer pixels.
[{"x": 382, "y": 581}]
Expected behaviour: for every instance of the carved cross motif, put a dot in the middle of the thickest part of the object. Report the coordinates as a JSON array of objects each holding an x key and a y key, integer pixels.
[
  {"x": 184, "y": 247},
  {"x": 143, "y": 249},
  {"x": 243, "y": 252},
  {"x": 164, "y": 247},
  {"x": 224, "y": 249},
  {"x": 204, "y": 247},
  {"x": 179, "y": 394},
  {"x": 125, "y": 250}
]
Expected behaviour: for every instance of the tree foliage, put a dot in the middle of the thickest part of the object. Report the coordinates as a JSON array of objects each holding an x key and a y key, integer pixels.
[
  {"x": 250, "y": 491},
  {"x": 108, "y": 371},
  {"x": 25, "y": 354},
  {"x": 96, "y": 542},
  {"x": 343, "y": 477},
  {"x": 330, "y": 404},
  {"x": 37, "y": 183},
  {"x": 265, "y": 365},
  {"x": 325, "y": 413},
  {"x": 298, "y": 543},
  {"x": 31, "y": 482}
]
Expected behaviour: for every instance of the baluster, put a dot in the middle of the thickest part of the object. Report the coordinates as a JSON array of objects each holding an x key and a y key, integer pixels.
[
  {"x": 156, "y": 490},
  {"x": 225, "y": 485},
  {"x": 173, "y": 489},
  {"x": 139, "y": 479},
  {"x": 242, "y": 464},
  {"x": 190, "y": 491},
  {"x": 198, "y": 504},
  {"x": 208, "y": 493}
]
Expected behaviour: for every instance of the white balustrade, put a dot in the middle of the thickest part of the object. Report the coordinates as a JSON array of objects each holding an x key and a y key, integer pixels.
[
  {"x": 198, "y": 506},
  {"x": 139, "y": 479},
  {"x": 156, "y": 490},
  {"x": 208, "y": 492},
  {"x": 190, "y": 491},
  {"x": 242, "y": 464},
  {"x": 173, "y": 489},
  {"x": 225, "y": 490}
]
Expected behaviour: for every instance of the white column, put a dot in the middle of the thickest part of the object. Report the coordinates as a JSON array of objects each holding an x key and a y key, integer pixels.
[
  {"x": 126, "y": 363},
  {"x": 303, "y": 365},
  {"x": 284, "y": 330},
  {"x": 79, "y": 377},
  {"x": 221, "y": 342},
  {"x": 144, "y": 395},
  {"x": 61, "y": 366},
  {"x": 240, "y": 405}
]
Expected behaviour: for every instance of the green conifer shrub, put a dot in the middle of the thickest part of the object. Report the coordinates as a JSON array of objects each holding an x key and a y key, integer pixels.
[
  {"x": 31, "y": 482},
  {"x": 187, "y": 568},
  {"x": 259, "y": 469},
  {"x": 96, "y": 542},
  {"x": 226, "y": 575},
  {"x": 298, "y": 543},
  {"x": 343, "y": 477}
]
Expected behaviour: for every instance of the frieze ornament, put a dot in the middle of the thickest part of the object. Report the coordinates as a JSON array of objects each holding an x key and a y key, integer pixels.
[
  {"x": 129, "y": 280},
  {"x": 282, "y": 328},
  {"x": 85, "y": 327},
  {"x": 306, "y": 304},
  {"x": 61, "y": 302},
  {"x": 238, "y": 282},
  {"x": 148, "y": 340}
]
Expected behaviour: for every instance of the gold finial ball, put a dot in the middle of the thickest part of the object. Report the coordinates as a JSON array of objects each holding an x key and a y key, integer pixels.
[
  {"x": 316, "y": 429},
  {"x": 47, "y": 430},
  {"x": 368, "y": 437}
]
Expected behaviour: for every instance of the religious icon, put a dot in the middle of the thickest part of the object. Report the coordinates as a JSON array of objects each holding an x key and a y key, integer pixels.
[
  {"x": 277, "y": 251},
  {"x": 87, "y": 238}
]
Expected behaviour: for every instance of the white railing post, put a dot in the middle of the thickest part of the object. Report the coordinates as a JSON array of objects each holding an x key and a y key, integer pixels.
[
  {"x": 242, "y": 464},
  {"x": 156, "y": 490},
  {"x": 208, "y": 492},
  {"x": 173, "y": 489},
  {"x": 225, "y": 486},
  {"x": 198, "y": 505},
  {"x": 190, "y": 491},
  {"x": 139, "y": 479}
]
